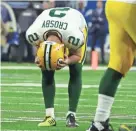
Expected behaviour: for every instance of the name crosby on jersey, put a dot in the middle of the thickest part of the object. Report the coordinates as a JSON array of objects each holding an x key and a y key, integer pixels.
[{"x": 55, "y": 24}]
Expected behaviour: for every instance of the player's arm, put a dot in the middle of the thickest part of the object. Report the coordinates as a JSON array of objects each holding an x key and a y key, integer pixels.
[{"x": 74, "y": 57}]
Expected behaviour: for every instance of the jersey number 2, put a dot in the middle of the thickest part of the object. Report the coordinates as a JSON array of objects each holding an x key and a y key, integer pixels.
[
  {"x": 33, "y": 37},
  {"x": 73, "y": 40}
]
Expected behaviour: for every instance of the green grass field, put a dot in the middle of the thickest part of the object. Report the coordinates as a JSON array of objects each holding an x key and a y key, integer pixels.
[{"x": 22, "y": 105}]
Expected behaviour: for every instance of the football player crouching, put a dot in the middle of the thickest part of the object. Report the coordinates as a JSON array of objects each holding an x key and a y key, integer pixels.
[{"x": 55, "y": 31}]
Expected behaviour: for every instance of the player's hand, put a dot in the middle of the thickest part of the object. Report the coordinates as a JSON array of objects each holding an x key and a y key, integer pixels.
[
  {"x": 37, "y": 62},
  {"x": 62, "y": 63}
]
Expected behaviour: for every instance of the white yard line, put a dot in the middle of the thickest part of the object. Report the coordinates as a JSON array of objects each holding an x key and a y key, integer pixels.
[
  {"x": 60, "y": 118},
  {"x": 14, "y": 86},
  {"x": 36, "y": 111},
  {"x": 15, "y": 90},
  {"x": 8, "y": 121},
  {"x": 133, "y": 101},
  {"x": 21, "y": 130},
  {"x": 19, "y": 97},
  {"x": 39, "y": 85},
  {"x": 30, "y": 92},
  {"x": 60, "y": 105},
  {"x": 124, "y": 95},
  {"x": 30, "y": 85},
  {"x": 57, "y": 85},
  {"x": 64, "y": 99},
  {"x": 36, "y": 68}
]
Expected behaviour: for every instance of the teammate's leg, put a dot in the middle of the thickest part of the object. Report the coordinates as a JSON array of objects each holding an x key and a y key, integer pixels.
[
  {"x": 107, "y": 90},
  {"x": 121, "y": 59},
  {"x": 118, "y": 66},
  {"x": 48, "y": 89}
]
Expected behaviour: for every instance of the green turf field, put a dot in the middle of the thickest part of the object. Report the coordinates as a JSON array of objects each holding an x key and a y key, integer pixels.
[{"x": 22, "y": 105}]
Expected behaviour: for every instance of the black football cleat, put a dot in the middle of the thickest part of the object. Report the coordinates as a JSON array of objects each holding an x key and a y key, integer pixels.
[
  {"x": 105, "y": 125},
  {"x": 71, "y": 121}
]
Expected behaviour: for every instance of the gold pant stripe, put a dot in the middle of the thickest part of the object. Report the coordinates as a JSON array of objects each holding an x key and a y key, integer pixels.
[{"x": 85, "y": 32}]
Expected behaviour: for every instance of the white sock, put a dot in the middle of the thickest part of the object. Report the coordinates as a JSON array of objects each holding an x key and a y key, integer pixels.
[
  {"x": 69, "y": 112},
  {"x": 103, "y": 108},
  {"x": 50, "y": 112},
  {"x": 99, "y": 126}
]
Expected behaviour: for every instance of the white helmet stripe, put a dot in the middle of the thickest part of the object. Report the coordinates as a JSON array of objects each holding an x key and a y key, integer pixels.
[{"x": 47, "y": 57}]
